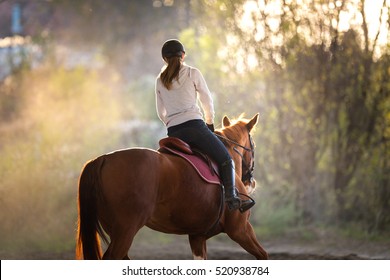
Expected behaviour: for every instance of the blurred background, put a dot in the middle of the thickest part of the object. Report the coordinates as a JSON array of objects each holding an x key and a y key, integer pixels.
[{"x": 77, "y": 80}]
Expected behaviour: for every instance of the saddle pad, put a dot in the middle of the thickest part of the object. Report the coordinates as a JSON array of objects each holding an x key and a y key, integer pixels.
[{"x": 205, "y": 172}]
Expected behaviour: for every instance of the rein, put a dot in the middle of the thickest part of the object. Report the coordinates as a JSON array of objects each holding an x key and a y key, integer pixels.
[{"x": 235, "y": 143}]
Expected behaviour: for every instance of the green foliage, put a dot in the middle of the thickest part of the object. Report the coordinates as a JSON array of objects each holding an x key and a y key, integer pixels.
[
  {"x": 323, "y": 98},
  {"x": 278, "y": 221},
  {"x": 67, "y": 117}
]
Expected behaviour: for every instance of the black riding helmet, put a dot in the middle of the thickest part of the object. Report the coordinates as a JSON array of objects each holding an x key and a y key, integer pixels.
[{"x": 172, "y": 48}]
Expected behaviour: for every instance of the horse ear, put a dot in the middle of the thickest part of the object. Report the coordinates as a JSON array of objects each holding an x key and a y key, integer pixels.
[
  {"x": 252, "y": 122},
  {"x": 226, "y": 121}
]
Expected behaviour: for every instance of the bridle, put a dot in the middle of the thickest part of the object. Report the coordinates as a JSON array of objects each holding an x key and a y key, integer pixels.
[{"x": 248, "y": 175}]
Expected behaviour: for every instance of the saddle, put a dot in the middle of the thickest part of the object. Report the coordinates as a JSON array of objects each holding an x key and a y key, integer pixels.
[{"x": 205, "y": 167}]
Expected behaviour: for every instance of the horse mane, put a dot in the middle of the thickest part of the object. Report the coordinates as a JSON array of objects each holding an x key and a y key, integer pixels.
[{"x": 235, "y": 130}]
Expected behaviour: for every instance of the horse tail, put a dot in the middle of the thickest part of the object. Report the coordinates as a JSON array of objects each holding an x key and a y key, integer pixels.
[{"x": 89, "y": 228}]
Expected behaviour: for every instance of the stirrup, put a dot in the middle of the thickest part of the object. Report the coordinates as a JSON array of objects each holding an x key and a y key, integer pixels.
[
  {"x": 234, "y": 203},
  {"x": 249, "y": 204}
]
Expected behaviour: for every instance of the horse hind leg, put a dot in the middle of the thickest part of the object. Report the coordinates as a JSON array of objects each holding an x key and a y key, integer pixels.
[
  {"x": 198, "y": 246},
  {"x": 119, "y": 246},
  {"x": 122, "y": 233}
]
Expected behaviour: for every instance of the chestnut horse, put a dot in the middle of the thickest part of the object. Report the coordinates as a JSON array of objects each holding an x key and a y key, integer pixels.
[{"x": 123, "y": 191}]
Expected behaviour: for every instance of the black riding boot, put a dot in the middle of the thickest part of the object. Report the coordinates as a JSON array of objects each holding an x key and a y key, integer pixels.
[{"x": 228, "y": 179}]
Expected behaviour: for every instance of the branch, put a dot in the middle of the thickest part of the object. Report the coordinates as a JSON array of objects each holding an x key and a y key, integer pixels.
[
  {"x": 365, "y": 27},
  {"x": 380, "y": 24}
]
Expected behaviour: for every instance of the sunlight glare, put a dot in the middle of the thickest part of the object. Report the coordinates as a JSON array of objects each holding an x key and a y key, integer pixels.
[{"x": 349, "y": 17}]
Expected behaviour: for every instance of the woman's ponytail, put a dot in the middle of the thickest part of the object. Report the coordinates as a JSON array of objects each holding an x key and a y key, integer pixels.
[{"x": 171, "y": 71}]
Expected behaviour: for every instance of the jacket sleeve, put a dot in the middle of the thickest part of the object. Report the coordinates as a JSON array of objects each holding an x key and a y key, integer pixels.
[
  {"x": 204, "y": 95},
  {"x": 160, "y": 108}
]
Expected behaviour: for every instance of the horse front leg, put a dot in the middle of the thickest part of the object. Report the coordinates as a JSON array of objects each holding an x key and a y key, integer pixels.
[
  {"x": 198, "y": 246},
  {"x": 246, "y": 238}
]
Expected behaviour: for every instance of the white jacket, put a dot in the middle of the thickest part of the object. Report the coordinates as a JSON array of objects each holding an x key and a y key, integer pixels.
[{"x": 179, "y": 104}]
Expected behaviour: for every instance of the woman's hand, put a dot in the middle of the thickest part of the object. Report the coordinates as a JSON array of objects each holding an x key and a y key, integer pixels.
[{"x": 210, "y": 126}]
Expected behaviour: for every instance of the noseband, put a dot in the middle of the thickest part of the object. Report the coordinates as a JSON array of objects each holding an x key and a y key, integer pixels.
[{"x": 248, "y": 176}]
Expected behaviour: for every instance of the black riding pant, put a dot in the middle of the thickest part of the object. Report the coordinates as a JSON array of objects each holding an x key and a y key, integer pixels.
[{"x": 198, "y": 135}]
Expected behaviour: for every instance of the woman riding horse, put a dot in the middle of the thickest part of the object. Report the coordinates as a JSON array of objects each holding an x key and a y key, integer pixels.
[
  {"x": 123, "y": 191},
  {"x": 178, "y": 87}
]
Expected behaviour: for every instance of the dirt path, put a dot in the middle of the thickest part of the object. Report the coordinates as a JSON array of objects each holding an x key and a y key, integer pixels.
[
  {"x": 277, "y": 250},
  {"x": 177, "y": 247}
]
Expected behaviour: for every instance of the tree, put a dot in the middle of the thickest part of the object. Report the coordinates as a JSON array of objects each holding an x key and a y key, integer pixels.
[{"x": 325, "y": 97}]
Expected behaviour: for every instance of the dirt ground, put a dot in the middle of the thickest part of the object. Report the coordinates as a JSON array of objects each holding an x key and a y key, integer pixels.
[
  {"x": 177, "y": 248},
  {"x": 276, "y": 250}
]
